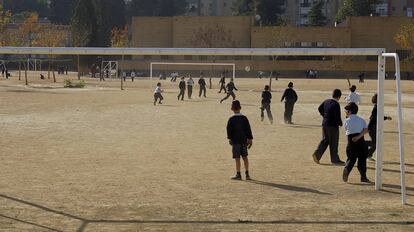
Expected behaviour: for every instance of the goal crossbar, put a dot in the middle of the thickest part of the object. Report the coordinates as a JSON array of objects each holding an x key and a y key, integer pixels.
[
  {"x": 191, "y": 63},
  {"x": 379, "y": 52}
]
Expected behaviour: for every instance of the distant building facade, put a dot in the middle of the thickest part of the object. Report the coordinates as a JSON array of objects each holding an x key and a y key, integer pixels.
[
  {"x": 402, "y": 8},
  {"x": 210, "y": 7},
  {"x": 297, "y": 11}
]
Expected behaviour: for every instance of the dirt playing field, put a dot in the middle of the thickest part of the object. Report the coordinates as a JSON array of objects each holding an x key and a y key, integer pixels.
[{"x": 102, "y": 159}]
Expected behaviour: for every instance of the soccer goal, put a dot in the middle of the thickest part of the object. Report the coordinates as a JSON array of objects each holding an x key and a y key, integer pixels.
[
  {"x": 152, "y": 64},
  {"x": 111, "y": 67},
  {"x": 265, "y": 52}
]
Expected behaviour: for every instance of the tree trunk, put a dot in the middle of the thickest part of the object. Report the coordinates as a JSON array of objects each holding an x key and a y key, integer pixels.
[
  {"x": 79, "y": 68},
  {"x": 122, "y": 74},
  {"x": 211, "y": 84},
  {"x": 270, "y": 83},
  {"x": 53, "y": 73},
  {"x": 25, "y": 74},
  {"x": 20, "y": 70},
  {"x": 48, "y": 71}
]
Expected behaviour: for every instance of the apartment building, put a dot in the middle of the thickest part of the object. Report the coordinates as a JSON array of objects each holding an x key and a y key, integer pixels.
[
  {"x": 297, "y": 11},
  {"x": 210, "y": 7},
  {"x": 401, "y": 8}
]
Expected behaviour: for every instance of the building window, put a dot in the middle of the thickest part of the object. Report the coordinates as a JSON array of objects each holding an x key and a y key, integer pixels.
[
  {"x": 164, "y": 57},
  {"x": 188, "y": 57},
  {"x": 147, "y": 57}
]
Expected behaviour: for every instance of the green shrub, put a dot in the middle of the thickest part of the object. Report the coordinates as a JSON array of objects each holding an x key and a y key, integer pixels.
[{"x": 69, "y": 84}]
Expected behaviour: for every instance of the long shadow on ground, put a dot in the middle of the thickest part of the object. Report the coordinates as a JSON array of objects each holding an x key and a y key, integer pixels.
[
  {"x": 84, "y": 222},
  {"x": 288, "y": 187}
]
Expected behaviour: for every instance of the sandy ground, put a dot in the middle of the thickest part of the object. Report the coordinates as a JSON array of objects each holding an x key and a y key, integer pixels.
[{"x": 102, "y": 159}]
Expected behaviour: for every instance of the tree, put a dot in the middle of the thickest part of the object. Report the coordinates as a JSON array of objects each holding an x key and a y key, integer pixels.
[
  {"x": 4, "y": 19},
  {"x": 156, "y": 7},
  {"x": 405, "y": 37},
  {"x": 19, "y": 6},
  {"x": 316, "y": 17},
  {"x": 29, "y": 29},
  {"x": 244, "y": 7},
  {"x": 119, "y": 37},
  {"x": 270, "y": 11},
  {"x": 61, "y": 11},
  {"x": 51, "y": 36},
  {"x": 355, "y": 8},
  {"x": 110, "y": 14},
  {"x": 84, "y": 24}
]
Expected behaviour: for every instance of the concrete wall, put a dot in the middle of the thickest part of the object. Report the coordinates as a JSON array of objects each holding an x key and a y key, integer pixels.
[
  {"x": 186, "y": 29},
  {"x": 152, "y": 32},
  {"x": 329, "y": 36},
  {"x": 370, "y": 32}
]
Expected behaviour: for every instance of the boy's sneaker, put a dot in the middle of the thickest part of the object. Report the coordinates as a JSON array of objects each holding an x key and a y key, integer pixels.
[
  {"x": 248, "y": 177},
  {"x": 237, "y": 177},
  {"x": 315, "y": 159},
  {"x": 345, "y": 175},
  {"x": 365, "y": 180}
]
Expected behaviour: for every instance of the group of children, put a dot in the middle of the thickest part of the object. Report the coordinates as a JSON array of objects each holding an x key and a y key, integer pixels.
[
  {"x": 357, "y": 150},
  {"x": 240, "y": 135}
]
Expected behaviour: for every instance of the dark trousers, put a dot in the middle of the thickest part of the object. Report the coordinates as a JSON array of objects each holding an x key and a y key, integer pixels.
[
  {"x": 372, "y": 145},
  {"x": 223, "y": 87},
  {"x": 230, "y": 93},
  {"x": 330, "y": 137},
  {"x": 266, "y": 106},
  {"x": 190, "y": 91},
  {"x": 356, "y": 151},
  {"x": 202, "y": 90},
  {"x": 289, "y": 104},
  {"x": 158, "y": 96},
  {"x": 181, "y": 94}
]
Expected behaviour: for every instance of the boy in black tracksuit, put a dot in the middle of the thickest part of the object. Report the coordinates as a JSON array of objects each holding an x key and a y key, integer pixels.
[
  {"x": 182, "y": 89},
  {"x": 222, "y": 83},
  {"x": 266, "y": 100},
  {"x": 290, "y": 98},
  {"x": 203, "y": 89},
  {"x": 240, "y": 138},
  {"x": 230, "y": 88},
  {"x": 372, "y": 128}
]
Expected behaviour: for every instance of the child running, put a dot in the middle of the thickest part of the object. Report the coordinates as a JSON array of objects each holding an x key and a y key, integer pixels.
[
  {"x": 240, "y": 138},
  {"x": 355, "y": 128},
  {"x": 230, "y": 88},
  {"x": 353, "y": 96},
  {"x": 157, "y": 94},
  {"x": 266, "y": 100}
]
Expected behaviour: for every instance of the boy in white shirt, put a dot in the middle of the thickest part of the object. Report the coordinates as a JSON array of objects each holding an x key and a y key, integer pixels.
[
  {"x": 353, "y": 96},
  {"x": 355, "y": 128},
  {"x": 157, "y": 94},
  {"x": 133, "y": 74}
]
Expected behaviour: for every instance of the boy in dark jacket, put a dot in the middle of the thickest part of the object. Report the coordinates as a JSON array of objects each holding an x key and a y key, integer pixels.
[
  {"x": 182, "y": 89},
  {"x": 240, "y": 138},
  {"x": 372, "y": 128},
  {"x": 290, "y": 98},
  {"x": 202, "y": 84},
  {"x": 266, "y": 100},
  {"x": 230, "y": 91}
]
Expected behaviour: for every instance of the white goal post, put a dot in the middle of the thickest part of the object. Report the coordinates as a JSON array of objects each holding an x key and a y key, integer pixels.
[
  {"x": 379, "y": 52},
  {"x": 191, "y": 64}
]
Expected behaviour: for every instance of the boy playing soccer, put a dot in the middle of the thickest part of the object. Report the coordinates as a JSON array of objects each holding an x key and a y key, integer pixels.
[
  {"x": 240, "y": 138},
  {"x": 266, "y": 100},
  {"x": 355, "y": 128},
  {"x": 157, "y": 94}
]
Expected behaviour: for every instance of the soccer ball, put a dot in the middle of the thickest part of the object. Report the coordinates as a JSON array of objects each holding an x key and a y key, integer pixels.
[{"x": 247, "y": 68}]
